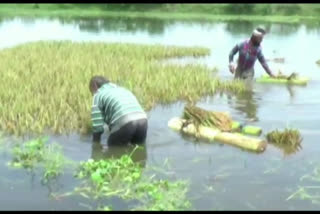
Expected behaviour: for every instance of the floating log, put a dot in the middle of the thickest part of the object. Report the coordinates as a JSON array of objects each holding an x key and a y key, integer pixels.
[{"x": 211, "y": 134}]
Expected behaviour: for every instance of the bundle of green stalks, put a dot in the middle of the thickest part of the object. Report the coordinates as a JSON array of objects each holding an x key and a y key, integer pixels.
[
  {"x": 289, "y": 140},
  {"x": 198, "y": 116}
]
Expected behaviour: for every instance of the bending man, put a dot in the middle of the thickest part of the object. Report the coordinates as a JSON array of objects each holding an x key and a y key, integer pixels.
[{"x": 120, "y": 110}]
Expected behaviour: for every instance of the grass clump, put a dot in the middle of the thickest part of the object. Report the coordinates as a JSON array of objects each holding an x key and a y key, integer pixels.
[
  {"x": 235, "y": 86},
  {"x": 289, "y": 140}
]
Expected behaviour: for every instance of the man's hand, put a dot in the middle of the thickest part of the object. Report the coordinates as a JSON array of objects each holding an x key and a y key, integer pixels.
[{"x": 232, "y": 67}]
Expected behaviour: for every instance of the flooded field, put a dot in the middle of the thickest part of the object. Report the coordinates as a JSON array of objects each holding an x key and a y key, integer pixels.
[{"x": 222, "y": 177}]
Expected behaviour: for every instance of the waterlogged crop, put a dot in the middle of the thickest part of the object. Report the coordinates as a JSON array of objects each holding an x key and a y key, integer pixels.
[
  {"x": 289, "y": 140},
  {"x": 123, "y": 178},
  {"x": 45, "y": 84},
  {"x": 38, "y": 153}
]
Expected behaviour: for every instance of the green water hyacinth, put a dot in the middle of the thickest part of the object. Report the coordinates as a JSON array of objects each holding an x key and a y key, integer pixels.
[{"x": 123, "y": 178}]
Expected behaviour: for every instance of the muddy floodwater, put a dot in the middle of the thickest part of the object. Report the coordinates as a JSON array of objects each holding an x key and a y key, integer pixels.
[{"x": 222, "y": 177}]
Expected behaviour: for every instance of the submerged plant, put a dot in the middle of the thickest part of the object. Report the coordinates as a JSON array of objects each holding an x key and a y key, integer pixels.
[
  {"x": 28, "y": 154},
  {"x": 289, "y": 140},
  {"x": 310, "y": 193},
  {"x": 37, "y": 152},
  {"x": 123, "y": 178}
]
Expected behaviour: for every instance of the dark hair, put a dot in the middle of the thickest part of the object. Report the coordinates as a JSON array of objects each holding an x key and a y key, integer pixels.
[
  {"x": 98, "y": 80},
  {"x": 261, "y": 30}
]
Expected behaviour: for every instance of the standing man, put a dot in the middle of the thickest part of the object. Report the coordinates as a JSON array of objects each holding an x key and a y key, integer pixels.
[
  {"x": 119, "y": 109},
  {"x": 249, "y": 50}
]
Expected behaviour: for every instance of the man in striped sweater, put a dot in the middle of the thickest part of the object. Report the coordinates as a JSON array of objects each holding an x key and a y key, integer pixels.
[
  {"x": 249, "y": 51},
  {"x": 119, "y": 109}
]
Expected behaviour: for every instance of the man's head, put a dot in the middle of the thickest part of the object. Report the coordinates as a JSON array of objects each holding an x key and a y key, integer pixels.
[
  {"x": 96, "y": 82},
  {"x": 257, "y": 36}
]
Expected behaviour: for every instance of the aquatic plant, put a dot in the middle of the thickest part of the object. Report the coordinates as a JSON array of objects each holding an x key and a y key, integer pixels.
[
  {"x": 289, "y": 140},
  {"x": 37, "y": 153},
  {"x": 123, "y": 178},
  {"x": 27, "y": 155},
  {"x": 318, "y": 62}
]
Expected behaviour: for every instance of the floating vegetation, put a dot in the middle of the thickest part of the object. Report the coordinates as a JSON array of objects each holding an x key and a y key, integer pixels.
[
  {"x": 123, "y": 178},
  {"x": 57, "y": 99},
  {"x": 288, "y": 140},
  {"x": 37, "y": 152},
  {"x": 198, "y": 116}
]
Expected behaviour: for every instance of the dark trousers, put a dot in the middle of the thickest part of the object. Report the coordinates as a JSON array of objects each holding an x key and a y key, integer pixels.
[{"x": 134, "y": 132}]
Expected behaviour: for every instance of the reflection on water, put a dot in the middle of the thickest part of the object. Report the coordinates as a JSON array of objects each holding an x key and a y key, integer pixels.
[{"x": 246, "y": 103}]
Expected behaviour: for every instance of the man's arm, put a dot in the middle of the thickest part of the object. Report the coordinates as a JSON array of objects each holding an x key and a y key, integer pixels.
[
  {"x": 97, "y": 120},
  {"x": 234, "y": 50},
  {"x": 264, "y": 64}
]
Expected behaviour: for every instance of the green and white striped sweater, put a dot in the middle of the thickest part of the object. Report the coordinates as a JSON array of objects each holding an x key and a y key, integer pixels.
[{"x": 112, "y": 103}]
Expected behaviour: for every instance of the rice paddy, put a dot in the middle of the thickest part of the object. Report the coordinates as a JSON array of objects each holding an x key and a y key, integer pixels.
[{"x": 44, "y": 87}]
